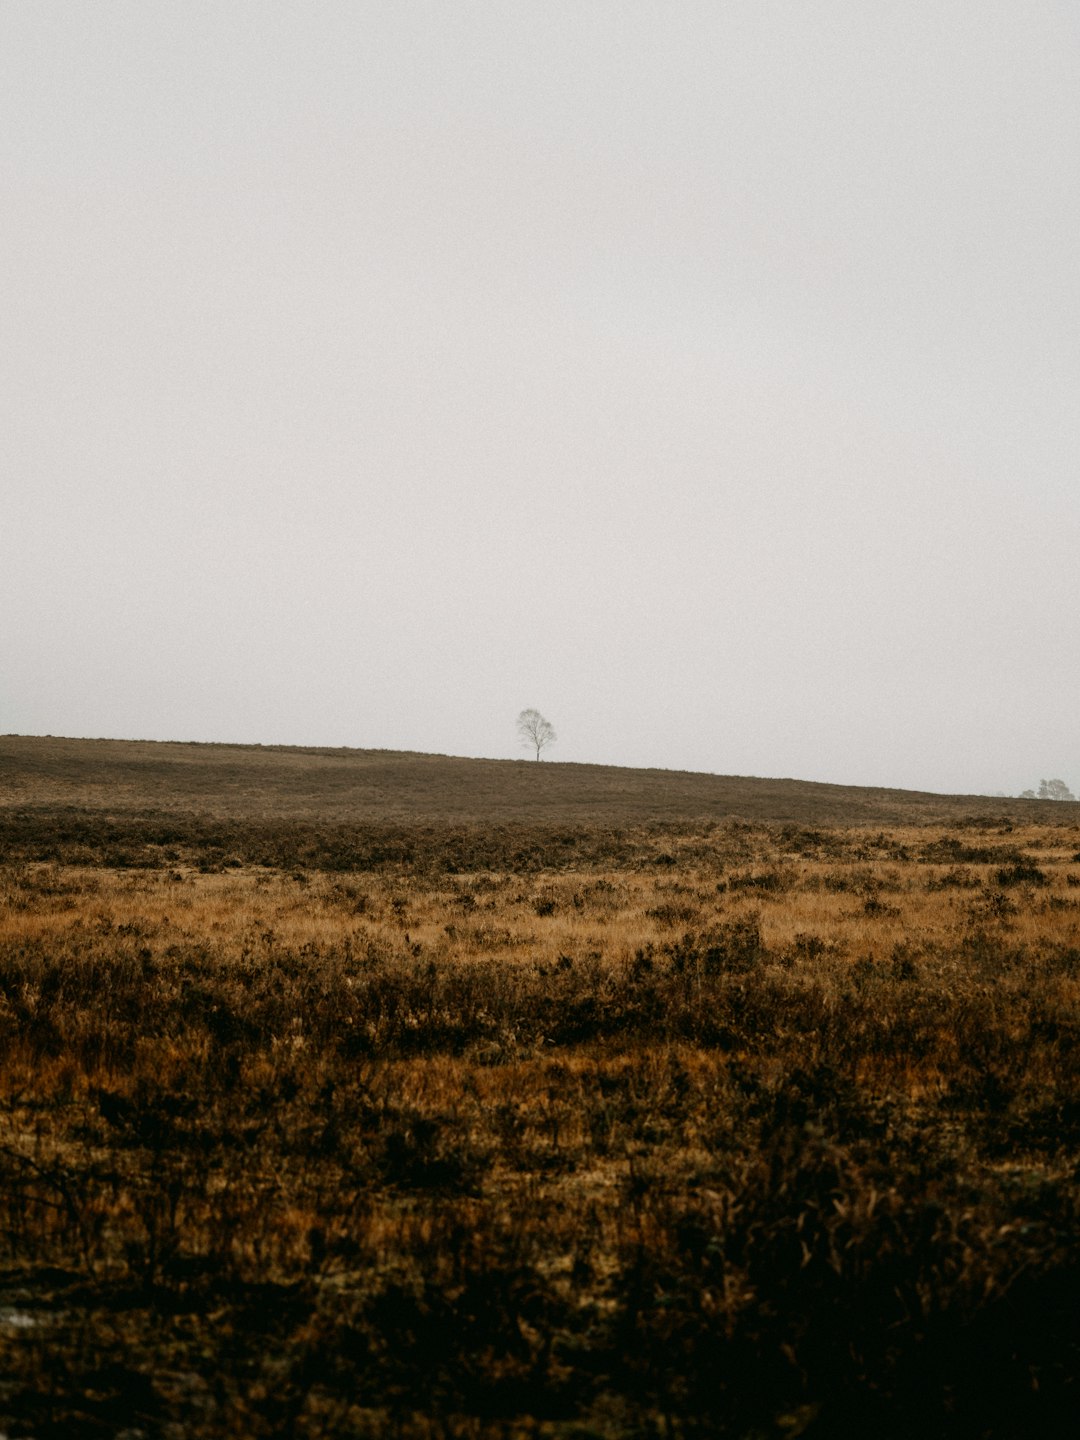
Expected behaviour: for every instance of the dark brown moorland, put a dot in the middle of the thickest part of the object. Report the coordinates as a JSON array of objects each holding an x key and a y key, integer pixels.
[
  {"x": 352, "y": 1093},
  {"x": 386, "y": 787}
]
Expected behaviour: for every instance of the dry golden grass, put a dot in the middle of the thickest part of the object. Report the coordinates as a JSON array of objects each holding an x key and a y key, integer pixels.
[{"x": 692, "y": 1128}]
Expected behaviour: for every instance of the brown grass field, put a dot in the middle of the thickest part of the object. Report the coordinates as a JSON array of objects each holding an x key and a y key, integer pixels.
[{"x": 351, "y": 1094}]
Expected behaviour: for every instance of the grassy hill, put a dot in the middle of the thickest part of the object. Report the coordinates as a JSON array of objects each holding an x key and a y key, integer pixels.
[
  {"x": 353, "y": 1093},
  {"x": 386, "y": 787}
]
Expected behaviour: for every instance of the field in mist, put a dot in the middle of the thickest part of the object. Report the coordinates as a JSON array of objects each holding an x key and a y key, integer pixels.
[{"x": 356, "y": 1094}]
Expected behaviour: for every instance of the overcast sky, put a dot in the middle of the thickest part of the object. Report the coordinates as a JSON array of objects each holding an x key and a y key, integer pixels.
[{"x": 706, "y": 375}]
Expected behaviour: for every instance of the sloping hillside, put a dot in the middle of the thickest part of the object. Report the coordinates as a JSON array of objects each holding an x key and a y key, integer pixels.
[{"x": 246, "y": 782}]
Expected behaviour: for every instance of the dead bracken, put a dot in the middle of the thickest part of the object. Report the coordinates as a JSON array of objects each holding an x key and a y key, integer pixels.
[{"x": 318, "y": 1130}]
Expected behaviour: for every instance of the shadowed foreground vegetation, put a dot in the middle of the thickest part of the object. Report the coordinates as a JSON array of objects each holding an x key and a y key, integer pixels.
[{"x": 710, "y": 1127}]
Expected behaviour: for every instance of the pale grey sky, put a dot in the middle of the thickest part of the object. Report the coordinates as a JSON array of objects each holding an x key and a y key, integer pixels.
[{"x": 706, "y": 375}]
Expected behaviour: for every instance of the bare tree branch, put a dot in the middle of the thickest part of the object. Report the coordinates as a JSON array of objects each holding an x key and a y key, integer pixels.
[{"x": 535, "y": 731}]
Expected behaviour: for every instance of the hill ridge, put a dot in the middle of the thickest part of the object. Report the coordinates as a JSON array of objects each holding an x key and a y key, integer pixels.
[{"x": 343, "y": 784}]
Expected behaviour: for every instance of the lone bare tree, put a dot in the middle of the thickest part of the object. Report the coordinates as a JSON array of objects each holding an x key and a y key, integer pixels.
[{"x": 535, "y": 731}]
